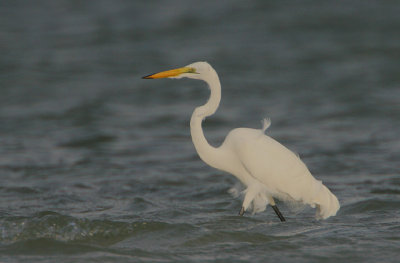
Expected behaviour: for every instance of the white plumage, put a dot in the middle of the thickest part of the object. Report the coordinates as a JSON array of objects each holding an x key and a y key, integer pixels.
[
  {"x": 272, "y": 170},
  {"x": 267, "y": 168}
]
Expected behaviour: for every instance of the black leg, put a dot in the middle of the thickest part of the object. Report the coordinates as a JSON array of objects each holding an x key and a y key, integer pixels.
[
  {"x": 241, "y": 212},
  {"x": 278, "y": 213}
]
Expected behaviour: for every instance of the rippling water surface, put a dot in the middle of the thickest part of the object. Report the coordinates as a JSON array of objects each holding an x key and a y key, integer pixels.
[{"x": 97, "y": 165}]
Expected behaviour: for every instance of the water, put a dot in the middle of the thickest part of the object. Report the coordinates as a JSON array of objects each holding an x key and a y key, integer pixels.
[{"x": 97, "y": 165}]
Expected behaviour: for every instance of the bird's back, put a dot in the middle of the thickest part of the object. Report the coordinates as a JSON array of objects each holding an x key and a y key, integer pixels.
[{"x": 266, "y": 159}]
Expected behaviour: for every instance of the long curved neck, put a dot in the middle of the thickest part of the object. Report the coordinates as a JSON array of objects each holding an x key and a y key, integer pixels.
[{"x": 207, "y": 153}]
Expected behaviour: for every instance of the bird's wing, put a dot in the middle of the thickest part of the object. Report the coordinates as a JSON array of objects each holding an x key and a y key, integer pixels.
[{"x": 274, "y": 165}]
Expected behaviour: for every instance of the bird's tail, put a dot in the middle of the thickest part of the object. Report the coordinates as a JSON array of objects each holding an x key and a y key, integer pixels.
[{"x": 326, "y": 203}]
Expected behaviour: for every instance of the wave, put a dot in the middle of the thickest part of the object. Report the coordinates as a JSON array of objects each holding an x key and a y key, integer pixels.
[{"x": 48, "y": 225}]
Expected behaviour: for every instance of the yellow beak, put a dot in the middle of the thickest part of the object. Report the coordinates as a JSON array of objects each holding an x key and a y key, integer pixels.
[{"x": 170, "y": 73}]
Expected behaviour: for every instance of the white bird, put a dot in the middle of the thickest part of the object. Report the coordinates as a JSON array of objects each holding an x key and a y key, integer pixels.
[{"x": 267, "y": 168}]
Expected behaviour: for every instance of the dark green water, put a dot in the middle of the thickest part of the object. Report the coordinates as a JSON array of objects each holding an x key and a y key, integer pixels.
[{"x": 97, "y": 165}]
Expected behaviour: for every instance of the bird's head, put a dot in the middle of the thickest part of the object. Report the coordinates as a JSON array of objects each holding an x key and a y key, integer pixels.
[{"x": 197, "y": 70}]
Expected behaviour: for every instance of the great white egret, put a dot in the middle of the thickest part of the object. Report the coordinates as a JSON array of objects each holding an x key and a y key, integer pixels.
[{"x": 267, "y": 168}]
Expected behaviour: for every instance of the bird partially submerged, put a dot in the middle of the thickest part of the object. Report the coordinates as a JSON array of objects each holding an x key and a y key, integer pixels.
[{"x": 267, "y": 168}]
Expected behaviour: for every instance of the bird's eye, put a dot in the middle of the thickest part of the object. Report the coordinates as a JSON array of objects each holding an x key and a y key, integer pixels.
[{"x": 192, "y": 70}]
